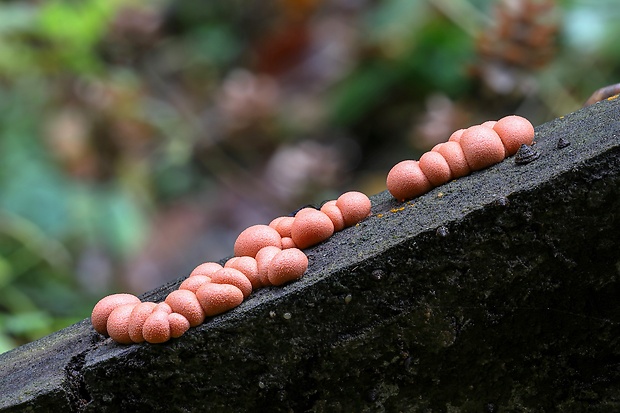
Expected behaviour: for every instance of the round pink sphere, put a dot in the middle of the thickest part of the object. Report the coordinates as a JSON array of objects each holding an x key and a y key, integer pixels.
[
  {"x": 249, "y": 267},
  {"x": 287, "y": 242},
  {"x": 456, "y": 135},
  {"x": 218, "y": 298},
  {"x": 163, "y": 307},
  {"x": 287, "y": 265},
  {"x": 194, "y": 282},
  {"x": 138, "y": 317},
  {"x": 185, "y": 303},
  {"x": 514, "y": 131},
  {"x": 253, "y": 238},
  {"x": 355, "y": 206},
  {"x": 334, "y": 213},
  {"x": 453, "y": 154},
  {"x": 274, "y": 222},
  {"x": 156, "y": 328},
  {"x": 263, "y": 259},
  {"x": 102, "y": 310},
  {"x": 482, "y": 147},
  {"x": 178, "y": 325},
  {"x": 406, "y": 180},
  {"x": 311, "y": 227},
  {"x": 118, "y": 323},
  {"x": 435, "y": 167},
  {"x": 206, "y": 268},
  {"x": 282, "y": 225},
  {"x": 233, "y": 277}
]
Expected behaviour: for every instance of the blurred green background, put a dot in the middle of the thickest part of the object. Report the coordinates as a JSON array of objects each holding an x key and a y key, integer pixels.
[{"x": 137, "y": 139}]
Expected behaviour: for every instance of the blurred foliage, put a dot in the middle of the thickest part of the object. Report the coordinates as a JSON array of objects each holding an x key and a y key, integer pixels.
[{"x": 137, "y": 139}]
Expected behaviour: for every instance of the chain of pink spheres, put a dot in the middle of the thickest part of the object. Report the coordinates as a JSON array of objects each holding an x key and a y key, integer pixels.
[{"x": 271, "y": 255}]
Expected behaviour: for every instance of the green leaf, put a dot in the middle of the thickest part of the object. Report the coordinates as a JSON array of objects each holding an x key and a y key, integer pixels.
[
  {"x": 6, "y": 272},
  {"x": 6, "y": 343},
  {"x": 74, "y": 29},
  {"x": 359, "y": 92},
  {"x": 30, "y": 324}
]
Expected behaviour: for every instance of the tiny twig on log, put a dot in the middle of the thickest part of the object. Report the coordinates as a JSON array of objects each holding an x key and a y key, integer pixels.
[{"x": 603, "y": 93}]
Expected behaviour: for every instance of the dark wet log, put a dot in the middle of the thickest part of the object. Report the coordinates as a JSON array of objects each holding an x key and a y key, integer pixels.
[{"x": 495, "y": 292}]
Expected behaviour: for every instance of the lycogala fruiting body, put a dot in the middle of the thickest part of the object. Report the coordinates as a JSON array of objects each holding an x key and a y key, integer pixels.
[
  {"x": 218, "y": 298},
  {"x": 514, "y": 131},
  {"x": 435, "y": 167},
  {"x": 482, "y": 147},
  {"x": 311, "y": 227},
  {"x": 272, "y": 255},
  {"x": 355, "y": 206},
  {"x": 406, "y": 180},
  {"x": 287, "y": 265},
  {"x": 253, "y": 238},
  {"x": 466, "y": 150},
  {"x": 454, "y": 156},
  {"x": 105, "y": 306}
]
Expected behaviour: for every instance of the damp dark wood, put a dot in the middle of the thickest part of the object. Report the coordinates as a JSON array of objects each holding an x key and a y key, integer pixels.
[{"x": 495, "y": 292}]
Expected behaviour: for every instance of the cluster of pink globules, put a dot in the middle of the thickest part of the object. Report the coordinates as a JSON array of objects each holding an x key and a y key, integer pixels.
[
  {"x": 271, "y": 255},
  {"x": 467, "y": 150},
  {"x": 264, "y": 255}
]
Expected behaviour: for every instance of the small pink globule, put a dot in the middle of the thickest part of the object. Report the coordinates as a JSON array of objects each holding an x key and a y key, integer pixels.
[
  {"x": 274, "y": 222},
  {"x": 194, "y": 282},
  {"x": 253, "y": 238},
  {"x": 335, "y": 214},
  {"x": 482, "y": 147},
  {"x": 249, "y": 267},
  {"x": 156, "y": 328},
  {"x": 263, "y": 259},
  {"x": 287, "y": 242},
  {"x": 233, "y": 277},
  {"x": 514, "y": 131},
  {"x": 355, "y": 206},
  {"x": 178, "y": 325},
  {"x": 311, "y": 227},
  {"x": 185, "y": 303},
  {"x": 102, "y": 310},
  {"x": 163, "y": 307},
  {"x": 230, "y": 261},
  {"x": 137, "y": 318},
  {"x": 218, "y": 298},
  {"x": 454, "y": 156},
  {"x": 406, "y": 180},
  {"x": 435, "y": 167},
  {"x": 282, "y": 225},
  {"x": 206, "y": 268},
  {"x": 118, "y": 323},
  {"x": 456, "y": 135},
  {"x": 287, "y": 265},
  {"x": 271, "y": 255}
]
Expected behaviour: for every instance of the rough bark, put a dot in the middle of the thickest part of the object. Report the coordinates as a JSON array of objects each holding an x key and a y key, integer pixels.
[{"x": 495, "y": 292}]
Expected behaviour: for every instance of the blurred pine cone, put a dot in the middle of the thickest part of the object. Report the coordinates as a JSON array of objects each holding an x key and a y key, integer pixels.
[{"x": 522, "y": 39}]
